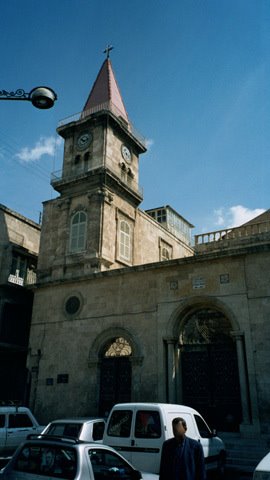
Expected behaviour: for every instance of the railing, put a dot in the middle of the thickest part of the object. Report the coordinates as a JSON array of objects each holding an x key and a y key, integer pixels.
[
  {"x": 60, "y": 176},
  {"x": 107, "y": 107},
  {"x": 29, "y": 279},
  {"x": 244, "y": 231}
]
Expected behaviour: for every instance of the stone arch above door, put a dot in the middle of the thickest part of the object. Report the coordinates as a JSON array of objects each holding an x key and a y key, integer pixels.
[
  {"x": 193, "y": 304},
  {"x": 207, "y": 361},
  {"x": 117, "y": 360}
]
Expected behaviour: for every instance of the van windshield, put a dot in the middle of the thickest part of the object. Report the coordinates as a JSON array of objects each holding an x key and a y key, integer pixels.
[
  {"x": 120, "y": 423},
  {"x": 203, "y": 428}
]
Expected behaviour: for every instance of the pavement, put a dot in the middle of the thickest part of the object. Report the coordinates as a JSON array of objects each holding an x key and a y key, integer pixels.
[
  {"x": 232, "y": 474},
  {"x": 237, "y": 475}
]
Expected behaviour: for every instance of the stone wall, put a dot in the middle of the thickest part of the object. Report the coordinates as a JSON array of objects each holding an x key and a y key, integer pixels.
[{"x": 147, "y": 305}]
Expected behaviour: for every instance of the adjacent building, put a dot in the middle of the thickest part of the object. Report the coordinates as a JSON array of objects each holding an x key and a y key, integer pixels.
[{"x": 19, "y": 245}]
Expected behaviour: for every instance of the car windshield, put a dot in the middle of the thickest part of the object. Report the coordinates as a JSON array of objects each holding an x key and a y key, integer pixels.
[{"x": 48, "y": 460}]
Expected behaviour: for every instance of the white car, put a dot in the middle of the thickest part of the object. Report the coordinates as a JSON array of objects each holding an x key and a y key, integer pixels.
[
  {"x": 87, "y": 429},
  {"x": 262, "y": 471},
  {"x": 46, "y": 457},
  {"x": 16, "y": 423}
]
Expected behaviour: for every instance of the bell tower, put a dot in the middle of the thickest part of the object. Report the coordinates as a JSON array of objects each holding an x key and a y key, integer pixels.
[
  {"x": 101, "y": 141},
  {"x": 98, "y": 184}
]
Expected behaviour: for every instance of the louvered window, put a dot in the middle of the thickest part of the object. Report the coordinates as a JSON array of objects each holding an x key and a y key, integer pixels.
[
  {"x": 124, "y": 240},
  {"x": 78, "y": 232}
]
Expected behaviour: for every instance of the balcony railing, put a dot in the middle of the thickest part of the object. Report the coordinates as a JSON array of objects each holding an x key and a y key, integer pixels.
[
  {"x": 60, "y": 177},
  {"x": 29, "y": 279},
  {"x": 244, "y": 231},
  {"x": 107, "y": 107}
]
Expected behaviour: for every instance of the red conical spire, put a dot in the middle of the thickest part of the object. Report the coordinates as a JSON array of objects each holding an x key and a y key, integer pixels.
[{"x": 105, "y": 92}]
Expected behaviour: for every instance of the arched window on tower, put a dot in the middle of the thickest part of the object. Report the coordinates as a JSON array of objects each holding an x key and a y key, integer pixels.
[
  {"x": 124, "y": 246},
  {"x": 86, "y": 161},
  {"x": 78, "y": 232}
]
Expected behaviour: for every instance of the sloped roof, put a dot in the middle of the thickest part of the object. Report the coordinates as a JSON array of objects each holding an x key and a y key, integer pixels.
[
  {"x": 106, "y": 91},
  {"x": 263, "y": 217}
]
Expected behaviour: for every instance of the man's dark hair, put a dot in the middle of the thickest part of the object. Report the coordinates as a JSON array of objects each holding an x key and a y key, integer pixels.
[{"x": 178, "y": 420}]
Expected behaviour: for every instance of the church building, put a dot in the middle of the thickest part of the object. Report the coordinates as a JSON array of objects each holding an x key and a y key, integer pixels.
[{"x": 126, "y": 308}]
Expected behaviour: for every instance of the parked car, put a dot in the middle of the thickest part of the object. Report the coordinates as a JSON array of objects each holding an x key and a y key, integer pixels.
[
  {"x": 87, "y": 429},
  {"x": 138, "y": 431},
  {"x": 15, "y": 424},
  {"x": 50, "y": 457},
  {"x": 262, "y": 471}
]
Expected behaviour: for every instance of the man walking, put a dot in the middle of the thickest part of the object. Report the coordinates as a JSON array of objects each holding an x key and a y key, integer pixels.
[{"x": 182, "y": 457}]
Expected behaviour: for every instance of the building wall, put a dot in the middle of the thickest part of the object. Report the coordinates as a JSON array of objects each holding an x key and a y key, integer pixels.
[
  {"x": 147, "y": 305},
  {"x": 103, "y": 217},
  {"x": 15, "y": 231},
  {"x": 19, "y": 244}
]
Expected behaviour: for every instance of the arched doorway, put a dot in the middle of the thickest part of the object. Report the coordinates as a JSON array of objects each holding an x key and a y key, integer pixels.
[
  {"x": 115, "y": 374},
  {"x": 209, "y": 368}
]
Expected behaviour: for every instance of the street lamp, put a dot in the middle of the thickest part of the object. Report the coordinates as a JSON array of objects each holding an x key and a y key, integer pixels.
[{"x": 41, "y": 97}]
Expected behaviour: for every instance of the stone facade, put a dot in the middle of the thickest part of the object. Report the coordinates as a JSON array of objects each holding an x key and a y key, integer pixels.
[{"x": 148, "y": 306}]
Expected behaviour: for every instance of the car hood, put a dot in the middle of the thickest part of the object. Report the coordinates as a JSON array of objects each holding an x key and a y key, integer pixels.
[
  {"x": 149, "y": 476},
  {"x": 264, "y": 465}
]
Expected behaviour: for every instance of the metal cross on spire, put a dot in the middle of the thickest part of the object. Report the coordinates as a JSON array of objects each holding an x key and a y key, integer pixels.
[{"x": 107, "y": 50}]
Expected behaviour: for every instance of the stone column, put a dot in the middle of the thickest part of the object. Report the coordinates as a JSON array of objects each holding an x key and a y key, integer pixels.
[
  {"x": 243, "y": 380},
  {"x": 179, "y": 382},
  {"x": 171, "y": 369}
]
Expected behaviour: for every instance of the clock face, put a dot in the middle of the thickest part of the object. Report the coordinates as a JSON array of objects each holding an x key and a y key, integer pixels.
[
  {"x": 84, "y": 140},
  {"x": 126, "y": 154}
]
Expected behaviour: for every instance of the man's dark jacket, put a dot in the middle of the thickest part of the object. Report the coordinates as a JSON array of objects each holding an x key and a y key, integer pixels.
[{"x": 192, "y": 465}]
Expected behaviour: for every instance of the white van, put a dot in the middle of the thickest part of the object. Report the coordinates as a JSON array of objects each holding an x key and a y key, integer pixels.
[
  {"x": 138, "y": 431},
  {"x": 262, "y": 471}
]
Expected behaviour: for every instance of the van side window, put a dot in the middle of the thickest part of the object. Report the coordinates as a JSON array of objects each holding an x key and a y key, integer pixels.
[
  {"x": 203, "y": 428},
  {"x": 120, "y": 423},
  {"x": 2, "y": 421},
  {"x": 147, "y": 424}
]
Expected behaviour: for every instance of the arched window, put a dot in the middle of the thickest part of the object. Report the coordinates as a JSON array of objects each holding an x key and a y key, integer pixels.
[
  {"x": 77, "y": 160},
  {"x": 86, "y": 161},
  {"x": 124, "y": 240},
  {"x": 78, "y": 232}
]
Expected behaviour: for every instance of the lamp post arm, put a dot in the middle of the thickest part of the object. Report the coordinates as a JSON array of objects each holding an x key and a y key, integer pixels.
[
  {"x": 41, "y": 97},
  {"x": 20, "y": 94}
]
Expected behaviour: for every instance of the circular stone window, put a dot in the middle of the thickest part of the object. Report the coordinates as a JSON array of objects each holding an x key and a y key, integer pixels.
[{"x": 72, "y": 305}]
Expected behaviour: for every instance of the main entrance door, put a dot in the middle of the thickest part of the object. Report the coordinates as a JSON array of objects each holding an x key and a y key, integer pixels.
[
  {"x": 209, "y": 369},
  {"x": 115, "y": 375}
]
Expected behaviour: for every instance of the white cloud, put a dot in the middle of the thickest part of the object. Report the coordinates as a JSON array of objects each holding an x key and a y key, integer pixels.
[
  {"x": 44, "y": 146},
  {"x": 149, "y": 142},
  {"x": 235, "y": 216}
]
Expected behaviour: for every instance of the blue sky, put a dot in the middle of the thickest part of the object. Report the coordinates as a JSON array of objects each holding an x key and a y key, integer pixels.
[{"x": 194, "y": 77}]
